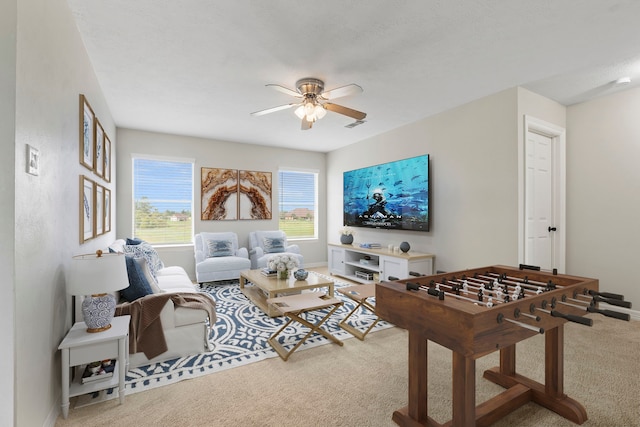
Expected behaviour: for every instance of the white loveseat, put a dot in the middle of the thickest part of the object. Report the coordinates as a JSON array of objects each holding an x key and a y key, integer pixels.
[{"x": 186, "y": 330}]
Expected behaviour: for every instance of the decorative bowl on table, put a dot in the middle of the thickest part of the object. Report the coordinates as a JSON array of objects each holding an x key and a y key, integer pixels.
[{"x": 300, "y": 274}]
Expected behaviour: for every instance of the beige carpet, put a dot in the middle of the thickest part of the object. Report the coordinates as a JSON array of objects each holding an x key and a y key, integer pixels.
[{"x": 362, "y": 383}]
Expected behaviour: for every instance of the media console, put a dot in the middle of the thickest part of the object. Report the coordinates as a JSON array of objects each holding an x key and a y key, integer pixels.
[{"x": 374, "y": 265}]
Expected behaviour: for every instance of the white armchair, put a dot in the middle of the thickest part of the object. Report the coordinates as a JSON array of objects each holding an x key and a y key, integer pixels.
[
  {"x": 264, "y": 244},
  {"x": 218, "y": 257}
]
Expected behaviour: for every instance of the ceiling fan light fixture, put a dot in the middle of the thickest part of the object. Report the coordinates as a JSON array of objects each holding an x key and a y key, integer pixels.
[
  {"x": 319, "y": 111},
  {"x": 309, "y": 108},
  {"x": 300, "y": 112}
]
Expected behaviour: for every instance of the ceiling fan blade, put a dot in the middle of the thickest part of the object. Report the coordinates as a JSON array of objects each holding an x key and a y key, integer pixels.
[
  {"x": 273, "y": 110},
  {"x": 358, "y": 115},
  {"x": 351, "y": 89},
  {"x": 285, "y": 90},
  {"x": 306, "y": 125}
]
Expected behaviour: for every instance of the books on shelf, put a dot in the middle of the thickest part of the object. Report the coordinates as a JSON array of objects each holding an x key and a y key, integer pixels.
[
  {"x": 105, "y": 371},
  {"x": 370, "y": 245},
  {"x": 266, "y": 272}
]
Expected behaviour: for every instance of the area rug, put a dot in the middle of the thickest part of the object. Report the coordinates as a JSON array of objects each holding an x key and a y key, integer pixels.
[{"x": 239, "y": 337}]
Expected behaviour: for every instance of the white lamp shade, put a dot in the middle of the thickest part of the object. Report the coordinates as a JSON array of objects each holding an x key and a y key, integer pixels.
[
  {"x": 308, "y": 108},
  {"x": 319, "y": 111},
  {"x": 93, "y": 274}
]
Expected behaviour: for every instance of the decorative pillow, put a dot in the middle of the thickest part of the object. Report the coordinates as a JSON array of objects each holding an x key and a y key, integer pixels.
[
  {"x": 146, "y": 251},
  {"x": 146, "y": 271},
  {"x": 272, "y": 245},
  {"x": 138, "y": 284},
  {"x": 117, "y": 246},
  {"x": 134, "y": 241},
  {"x": 219, "y": 248}
]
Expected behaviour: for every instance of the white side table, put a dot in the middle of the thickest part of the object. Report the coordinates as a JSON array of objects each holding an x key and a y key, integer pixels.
[{"x": 80, "y": 347}]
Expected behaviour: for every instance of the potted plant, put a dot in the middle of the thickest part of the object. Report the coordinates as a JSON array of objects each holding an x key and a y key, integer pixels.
[{"x": 346, "y": 236}]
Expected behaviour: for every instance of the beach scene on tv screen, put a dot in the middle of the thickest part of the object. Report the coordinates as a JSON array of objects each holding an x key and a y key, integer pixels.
[{"x": 392, "y": 195}]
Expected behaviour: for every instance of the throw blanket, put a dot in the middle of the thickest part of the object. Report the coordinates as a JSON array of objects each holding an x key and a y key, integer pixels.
[{"x": 145, "y": 329}]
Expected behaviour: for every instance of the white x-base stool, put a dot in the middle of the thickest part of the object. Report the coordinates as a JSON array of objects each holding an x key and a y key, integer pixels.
[{"x": 293, "y": 307}]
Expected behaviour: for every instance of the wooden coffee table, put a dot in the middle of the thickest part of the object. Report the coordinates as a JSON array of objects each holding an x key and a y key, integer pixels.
[{"x": 263, "y": 288}]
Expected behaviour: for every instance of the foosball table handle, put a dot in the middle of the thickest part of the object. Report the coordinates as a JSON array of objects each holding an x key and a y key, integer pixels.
[
  {"x": 608, "y": 295},
  {"x": 615, "y": 301},
  {"x": 570, "y": 317},
  {"x": 610, "y": 313}
]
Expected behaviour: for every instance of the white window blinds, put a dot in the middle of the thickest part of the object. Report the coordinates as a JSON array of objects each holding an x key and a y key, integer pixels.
[
  {"x": 163, "y": 200},
  {"x": 298, "y": 200}
]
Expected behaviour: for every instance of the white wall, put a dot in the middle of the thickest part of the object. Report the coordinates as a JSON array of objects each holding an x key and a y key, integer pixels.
[
  {"x": 603, "y": 191},
  {"x": 8, "y": 22},
  {"x": 217, "y": 154},
  {"x": 52, "y": 70},
  {"x": 474, "y": 180},
  {"x": 473, "y": 162}
]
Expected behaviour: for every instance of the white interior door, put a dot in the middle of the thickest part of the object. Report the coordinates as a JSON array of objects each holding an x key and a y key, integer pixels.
[
  {"x": 543, "y": 196},
  {"x": 538, "y": 203}
]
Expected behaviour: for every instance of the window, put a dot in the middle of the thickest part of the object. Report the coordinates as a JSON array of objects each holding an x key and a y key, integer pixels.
[
  {"x": 298, "y": 203},
  {"x": 163, "y": 200}
]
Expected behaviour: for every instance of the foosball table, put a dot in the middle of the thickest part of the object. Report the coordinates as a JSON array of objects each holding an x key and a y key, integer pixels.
[{"x": 478, "y": 311}]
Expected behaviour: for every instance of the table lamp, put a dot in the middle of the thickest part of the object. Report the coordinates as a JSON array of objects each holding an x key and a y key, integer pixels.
[{"x": 97, "y": 275}]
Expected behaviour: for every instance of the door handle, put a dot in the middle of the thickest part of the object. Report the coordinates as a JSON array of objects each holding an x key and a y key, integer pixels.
[{"x": 551, "y": 229}]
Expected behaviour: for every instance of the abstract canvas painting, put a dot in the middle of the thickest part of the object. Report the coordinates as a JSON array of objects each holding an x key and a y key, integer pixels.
[
  {"x": 219, "y": 190},
  {"x": 255, "y": 195}
]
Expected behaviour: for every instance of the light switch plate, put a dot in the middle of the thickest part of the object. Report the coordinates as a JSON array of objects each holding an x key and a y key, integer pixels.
[{"x": 33, "y": 160}]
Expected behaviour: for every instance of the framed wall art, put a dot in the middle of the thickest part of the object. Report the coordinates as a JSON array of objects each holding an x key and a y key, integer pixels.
[
  {"x": 99, "y": 149},
  {"x": 87, "y": 143},
  {"x": 87, "y": 220},
  {"x": 219, "y": 194},
  {"x": 255, "y": 195},
  {"x": 107, "y": 158},
  {"x": 99, "y": 209},
  {"x": 107, "y": 210}
]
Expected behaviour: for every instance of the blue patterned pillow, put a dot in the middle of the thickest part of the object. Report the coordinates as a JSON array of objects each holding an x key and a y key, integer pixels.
[
  {"x": 273, "y": 245},
  {"x": 219, "y": 248},
  {"x": 146, "y": 251},
  {"x": 138, "y": 284}
]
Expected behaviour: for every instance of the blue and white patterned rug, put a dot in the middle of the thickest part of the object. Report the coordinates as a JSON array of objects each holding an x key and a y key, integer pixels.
[{"x": 239, "y": 337}]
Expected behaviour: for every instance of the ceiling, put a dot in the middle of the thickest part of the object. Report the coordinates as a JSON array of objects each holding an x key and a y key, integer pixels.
[{"x": 199, "y": 67}]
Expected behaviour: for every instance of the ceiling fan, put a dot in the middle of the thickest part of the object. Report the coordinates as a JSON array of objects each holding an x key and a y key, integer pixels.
[{"x": 313, "y": 105}]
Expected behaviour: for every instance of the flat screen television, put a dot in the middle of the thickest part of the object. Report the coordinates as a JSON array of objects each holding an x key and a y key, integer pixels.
[{"x": 393, "y": 196}]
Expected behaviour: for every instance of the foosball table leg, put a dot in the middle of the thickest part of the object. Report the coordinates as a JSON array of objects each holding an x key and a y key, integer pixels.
[
  {"x": 551, "y": 393},
  {"x": 464, "y": 390},
  {"x": 418, "y": 365}
]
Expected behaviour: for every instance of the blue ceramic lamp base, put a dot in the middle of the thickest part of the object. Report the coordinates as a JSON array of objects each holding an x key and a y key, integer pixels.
[{"x": 98, "y": 312}]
